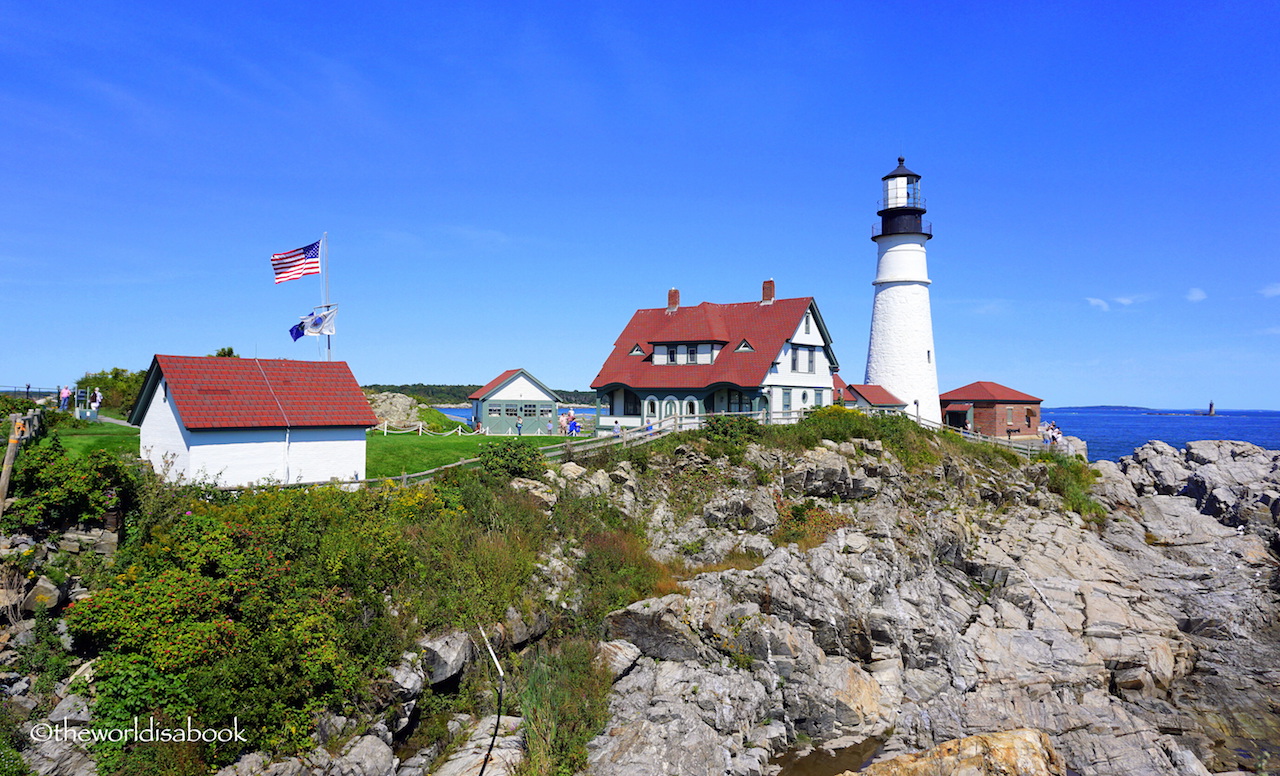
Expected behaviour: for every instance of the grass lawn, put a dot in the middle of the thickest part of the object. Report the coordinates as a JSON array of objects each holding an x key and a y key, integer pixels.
[
  {"x": 396, "y": 454},
  {"x": 99, "y": 436}
]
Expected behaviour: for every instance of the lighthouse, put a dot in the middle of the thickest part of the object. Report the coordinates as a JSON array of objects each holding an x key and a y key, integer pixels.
[{"x": 900, "y": 356}]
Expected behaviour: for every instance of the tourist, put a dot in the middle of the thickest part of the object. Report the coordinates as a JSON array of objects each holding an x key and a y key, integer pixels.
[
  {"x": 519, "y": 425},
  {"x": 64, "y": 397},
  {"x": 95, "y": 400}
]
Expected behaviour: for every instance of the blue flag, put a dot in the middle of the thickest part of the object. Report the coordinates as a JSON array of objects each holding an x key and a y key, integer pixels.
[{"x": 297, "y": 331}]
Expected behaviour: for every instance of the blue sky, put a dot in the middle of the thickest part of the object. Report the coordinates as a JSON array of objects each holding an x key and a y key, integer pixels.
[{"x": 504, "y": 183}]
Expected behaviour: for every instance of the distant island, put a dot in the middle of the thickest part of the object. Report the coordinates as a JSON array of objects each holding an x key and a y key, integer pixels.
[
  {"x": 457, "y": 394},
  {"x": 1102, "y": 407}
]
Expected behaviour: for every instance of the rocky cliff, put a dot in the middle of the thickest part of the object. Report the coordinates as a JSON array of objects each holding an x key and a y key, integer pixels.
[{"x": 958, "y": 602}]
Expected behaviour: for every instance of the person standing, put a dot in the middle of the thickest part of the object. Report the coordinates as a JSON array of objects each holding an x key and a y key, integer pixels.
[
  {"x": 519, "y": 425},
  {"x": 95, "y": 400},
  {"x": 64, "y": 397}
]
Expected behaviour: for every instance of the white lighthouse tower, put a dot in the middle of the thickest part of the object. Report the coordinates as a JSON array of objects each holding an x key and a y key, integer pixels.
[{"x": 900, "y": 356}]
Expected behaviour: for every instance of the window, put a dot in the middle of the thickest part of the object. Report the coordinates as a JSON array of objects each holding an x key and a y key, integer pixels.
[
  {"x": 682, "y": 354},
  {"x": 817, "y": 398},
  {"x": 671, "y": 354},
  {"x": 807, "y": 318},
  {"x": 668, "y": 408},
  {"x": 544, "y": 411},
  {"x": 690, "y": 408},
  {"x": 512, "y": 410},
  {"x": 495, "y": 410},
  {"x": 786, "y": 399},
  {"x": 1008, "y": 416},
  {"x": 652, "y": 408},
  {"x": 530, "y": 410},
  {"x": 802, "y": 359},
  {"x": 738, "y": 402},
  {"x": 630, "y": 403},
  {"x": 637, "y": 351},
  {"x": 744, "y": 347},
  {"x": 928, "y": 356},
  {"x": 804, "y": 398}
]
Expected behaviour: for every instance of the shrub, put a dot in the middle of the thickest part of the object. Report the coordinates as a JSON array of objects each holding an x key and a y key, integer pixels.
[
  {"x": 52, "y": 489},
  {"x": 120, "y": 387},
  {"x": 616, "y": 571},
  {"x": 807, "y": 525},
  {"x": 1071, "y": 478},
  {"x": 564, "y": 699},
  {"x": 509, "y": 458}
]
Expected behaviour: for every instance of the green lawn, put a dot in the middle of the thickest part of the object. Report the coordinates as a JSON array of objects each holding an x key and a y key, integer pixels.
[
  {"x": 396, "y": 454},
  {"x": 99, "y": 436},
  {"x": 385, "y": 456}
]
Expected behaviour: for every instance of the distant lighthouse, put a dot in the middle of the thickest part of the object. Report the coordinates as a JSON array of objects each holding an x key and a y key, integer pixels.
[{"x": 900, "y": 356}]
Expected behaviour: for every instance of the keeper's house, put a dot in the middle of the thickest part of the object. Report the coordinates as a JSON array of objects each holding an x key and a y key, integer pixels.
[
  {"x": 992, "y": 409},
  {"x": 767, "y": 357},
  {"x": 513, "y": 395},
  {"x": 240, "y": 421},
  {"x": 866, "y": 396}
]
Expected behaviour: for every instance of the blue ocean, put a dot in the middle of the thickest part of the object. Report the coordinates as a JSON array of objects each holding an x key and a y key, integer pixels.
[{"x": 1113, "y": 432}]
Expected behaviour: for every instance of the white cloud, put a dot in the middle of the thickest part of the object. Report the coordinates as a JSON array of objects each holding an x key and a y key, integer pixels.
[
  {"x": 1196, "y": 295},
  {"x": 1271, "y": 290},
  {"x": 1098, "y": 303}
]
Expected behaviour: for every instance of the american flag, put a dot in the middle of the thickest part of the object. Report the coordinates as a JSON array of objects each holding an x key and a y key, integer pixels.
[{"x": 296, "y": 263}]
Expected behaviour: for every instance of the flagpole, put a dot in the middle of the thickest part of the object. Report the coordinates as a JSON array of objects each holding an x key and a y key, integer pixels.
[{"x": 324, "y": 252}]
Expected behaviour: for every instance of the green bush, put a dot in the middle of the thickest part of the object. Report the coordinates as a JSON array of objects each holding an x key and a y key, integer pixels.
[
  {"x": 1071, "y": 478},
  {"x": 509, "y": 457},
  {"x": 51, "y": 489},
  {"x": 564, "y": 699},
  {"x": 617, "y": 570},
  {"x": 120, "y": 387},
  {"x": 44, "y": 656}
]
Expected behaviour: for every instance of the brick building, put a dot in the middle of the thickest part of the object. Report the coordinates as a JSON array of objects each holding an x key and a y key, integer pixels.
[{"x": 993, "y": 409}]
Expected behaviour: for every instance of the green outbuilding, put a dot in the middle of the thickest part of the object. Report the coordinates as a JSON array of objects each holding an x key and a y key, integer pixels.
[{"x": 514, "y": 403}]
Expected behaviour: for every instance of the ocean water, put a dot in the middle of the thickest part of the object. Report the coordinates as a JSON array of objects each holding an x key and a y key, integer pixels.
[{"x": 1113, "y": 432}]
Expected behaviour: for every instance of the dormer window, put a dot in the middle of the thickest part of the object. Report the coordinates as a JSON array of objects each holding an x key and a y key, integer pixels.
[
  {"x": 744, "y": 347},
  {"x": 637, "y": 351},
  {"x": 671, "y": 354},
  {"x": 808, "y": 319}
]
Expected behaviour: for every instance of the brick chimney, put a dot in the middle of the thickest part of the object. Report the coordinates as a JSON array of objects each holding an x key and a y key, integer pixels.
[
  {"x": 673, "y": 300},
  {"x": 767, "y": 292}
]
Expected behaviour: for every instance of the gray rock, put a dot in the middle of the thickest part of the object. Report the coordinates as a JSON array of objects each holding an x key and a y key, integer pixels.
[
  {"x": 73, "y": 710},
  {"x": 470, "y": 757},
  {"x": 618, "y": 656},
  {"x": 44, "y": 593},
  {"x": 444, "y": 656},
  {"x": 365, "y": 756},
  {"x": 541, "y": 493}
]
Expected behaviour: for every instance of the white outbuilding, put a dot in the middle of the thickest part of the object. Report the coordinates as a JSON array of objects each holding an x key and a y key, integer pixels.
[{"x": 241, "y": 421}]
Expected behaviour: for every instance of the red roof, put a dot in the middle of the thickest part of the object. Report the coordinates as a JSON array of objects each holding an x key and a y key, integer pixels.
[
  {"x": 488, "y": 388},
  {"x": 765, "y": 327},
  {"x": 877, "y": 396},
  {"x": 210, "y": 392},
  {"x": 986, "y": 391},
  {"x": 493, "y": 384},
  {"x": 874, "y": 395}
]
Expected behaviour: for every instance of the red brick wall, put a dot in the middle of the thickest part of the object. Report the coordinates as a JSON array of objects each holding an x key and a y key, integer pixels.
[{"x": 992, "y": 419}]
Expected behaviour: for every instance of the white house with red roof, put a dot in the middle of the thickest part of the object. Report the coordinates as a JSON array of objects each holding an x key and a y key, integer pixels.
[
  {"x": 993, "y": 409},
  {"x": 866, "y": 396},
  {"x": 241, "y": 421},
  {"x": 513, "y": 402},
  {"x": 769, "y": 356}
]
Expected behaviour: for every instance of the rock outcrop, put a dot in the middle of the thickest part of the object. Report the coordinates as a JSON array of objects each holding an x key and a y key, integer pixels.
[{"x": 957, "y": 605}]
